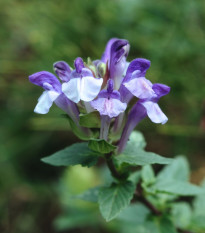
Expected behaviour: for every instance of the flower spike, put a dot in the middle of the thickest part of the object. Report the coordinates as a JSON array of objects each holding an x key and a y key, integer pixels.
[{"x": 105, "y": 85}]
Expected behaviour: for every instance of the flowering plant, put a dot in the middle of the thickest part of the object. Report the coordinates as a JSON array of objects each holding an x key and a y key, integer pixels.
[{"x": 104, "y": 101}]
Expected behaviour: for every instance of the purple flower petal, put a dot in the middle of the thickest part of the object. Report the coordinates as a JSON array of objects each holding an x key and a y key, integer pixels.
[
  {"x": 68, "y": 106},
  {"x": 140, "y": 87},
  {"x": 113, "y": 95},
  {"x": 107, "y": 52},
  {"x": 46, "y": 80},
  {"x": 109, "y": 107},
  {"x": 154, "y": 112},
  {"x": 117, "y": 65},
  {"x": 84, "y": 72},
  {"x": 137, "y": 114},
  {"x": 139, "y": 66},
  {"x": 125, "y": 94},
  {"x": 110, "y": 86},
  {"x": 63, "y": 70},
  {"x": 160, "y": 89},
  {"x": 109, "y": 93},
  {"x": 79, "y": 64}
]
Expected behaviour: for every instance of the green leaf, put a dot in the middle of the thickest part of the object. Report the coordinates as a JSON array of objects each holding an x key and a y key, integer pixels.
[
  {"x": 135, "y": 177},
  {"x": 148, "y": 176},
  {"x": 101, "y": 146},
  {"x": 135, "y": 213},
  {"x": 136, "y": 140},
  {"x": 90, "y": 120},
  {"x": 178, "y": 187},
  {"x": 178, "y": 169},
  {"x": 135, "y": 155},
  {"x": 160, "y": 225},
  {"x": 140, "y": 157},
  {"x": 198, "y": 224},
  {"x": 199, "y": 202},
  {"x": 74, "y": 218},
  {"x": 166, "y": 226},
  {"x": 146, "y": 227},
  {"x": 78, "y": 153},
  {"x": 89, "y": 195},
  {"x": 115, "y": 198},
  {"x": 181, "y": 213},
  {"x": 80, "y": 132}
]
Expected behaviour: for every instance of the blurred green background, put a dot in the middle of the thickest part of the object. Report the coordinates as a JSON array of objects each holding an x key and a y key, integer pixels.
[{"x": 33, "y": 35}]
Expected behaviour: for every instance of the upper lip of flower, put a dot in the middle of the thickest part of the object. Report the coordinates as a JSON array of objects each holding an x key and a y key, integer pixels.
[
  {"x": 114, "y": 56},
  {"x": 63, "y": 70},
  {"x": 46, "y": 80}
]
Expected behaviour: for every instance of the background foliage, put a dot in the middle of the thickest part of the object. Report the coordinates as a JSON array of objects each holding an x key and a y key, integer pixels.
[{"x": 34, "y": 34}]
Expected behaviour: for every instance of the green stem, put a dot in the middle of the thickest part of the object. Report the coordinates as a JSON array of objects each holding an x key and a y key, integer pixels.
[
  {"x": 139, "y": 197},
  {"x": 112, "y": 167}
]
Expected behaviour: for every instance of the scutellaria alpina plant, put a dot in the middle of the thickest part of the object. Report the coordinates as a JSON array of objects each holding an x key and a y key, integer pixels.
[{"x": 104, "y": 101}]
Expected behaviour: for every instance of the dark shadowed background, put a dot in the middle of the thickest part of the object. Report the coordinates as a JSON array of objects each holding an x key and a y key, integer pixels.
[{"x": 33, "y": 35}]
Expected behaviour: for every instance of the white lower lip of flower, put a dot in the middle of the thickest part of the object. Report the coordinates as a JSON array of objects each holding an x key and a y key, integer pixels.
[
  {"x": 85, "y": 88},
  {"x": 45, "y": 101},
  {"x": 154, "y": 112}
]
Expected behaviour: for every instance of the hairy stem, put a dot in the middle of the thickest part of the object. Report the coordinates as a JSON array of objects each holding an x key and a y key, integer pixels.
[
  {"x": 139, "y": 197},
  {"x": 112, "y": 167}
]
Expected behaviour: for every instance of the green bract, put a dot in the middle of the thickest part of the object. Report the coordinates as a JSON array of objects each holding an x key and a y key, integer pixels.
[
  {"x": 90, "y": 120},
  {"x": 101, "y": 146}
]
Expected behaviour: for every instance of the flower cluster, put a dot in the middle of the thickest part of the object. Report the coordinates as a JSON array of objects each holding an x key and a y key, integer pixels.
[{"x": 109, "y": 86}]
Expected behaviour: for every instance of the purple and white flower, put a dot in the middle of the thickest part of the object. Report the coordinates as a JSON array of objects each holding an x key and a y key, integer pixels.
[
  {"x": 108, "y": 104},
  {"x": 53, "y": 93},
  {"x": 149, "y": 94},
  {"x": 147, "y": 106},
  {"x": 82, "y": 84},
  {"x": 134, "y": 82}
]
